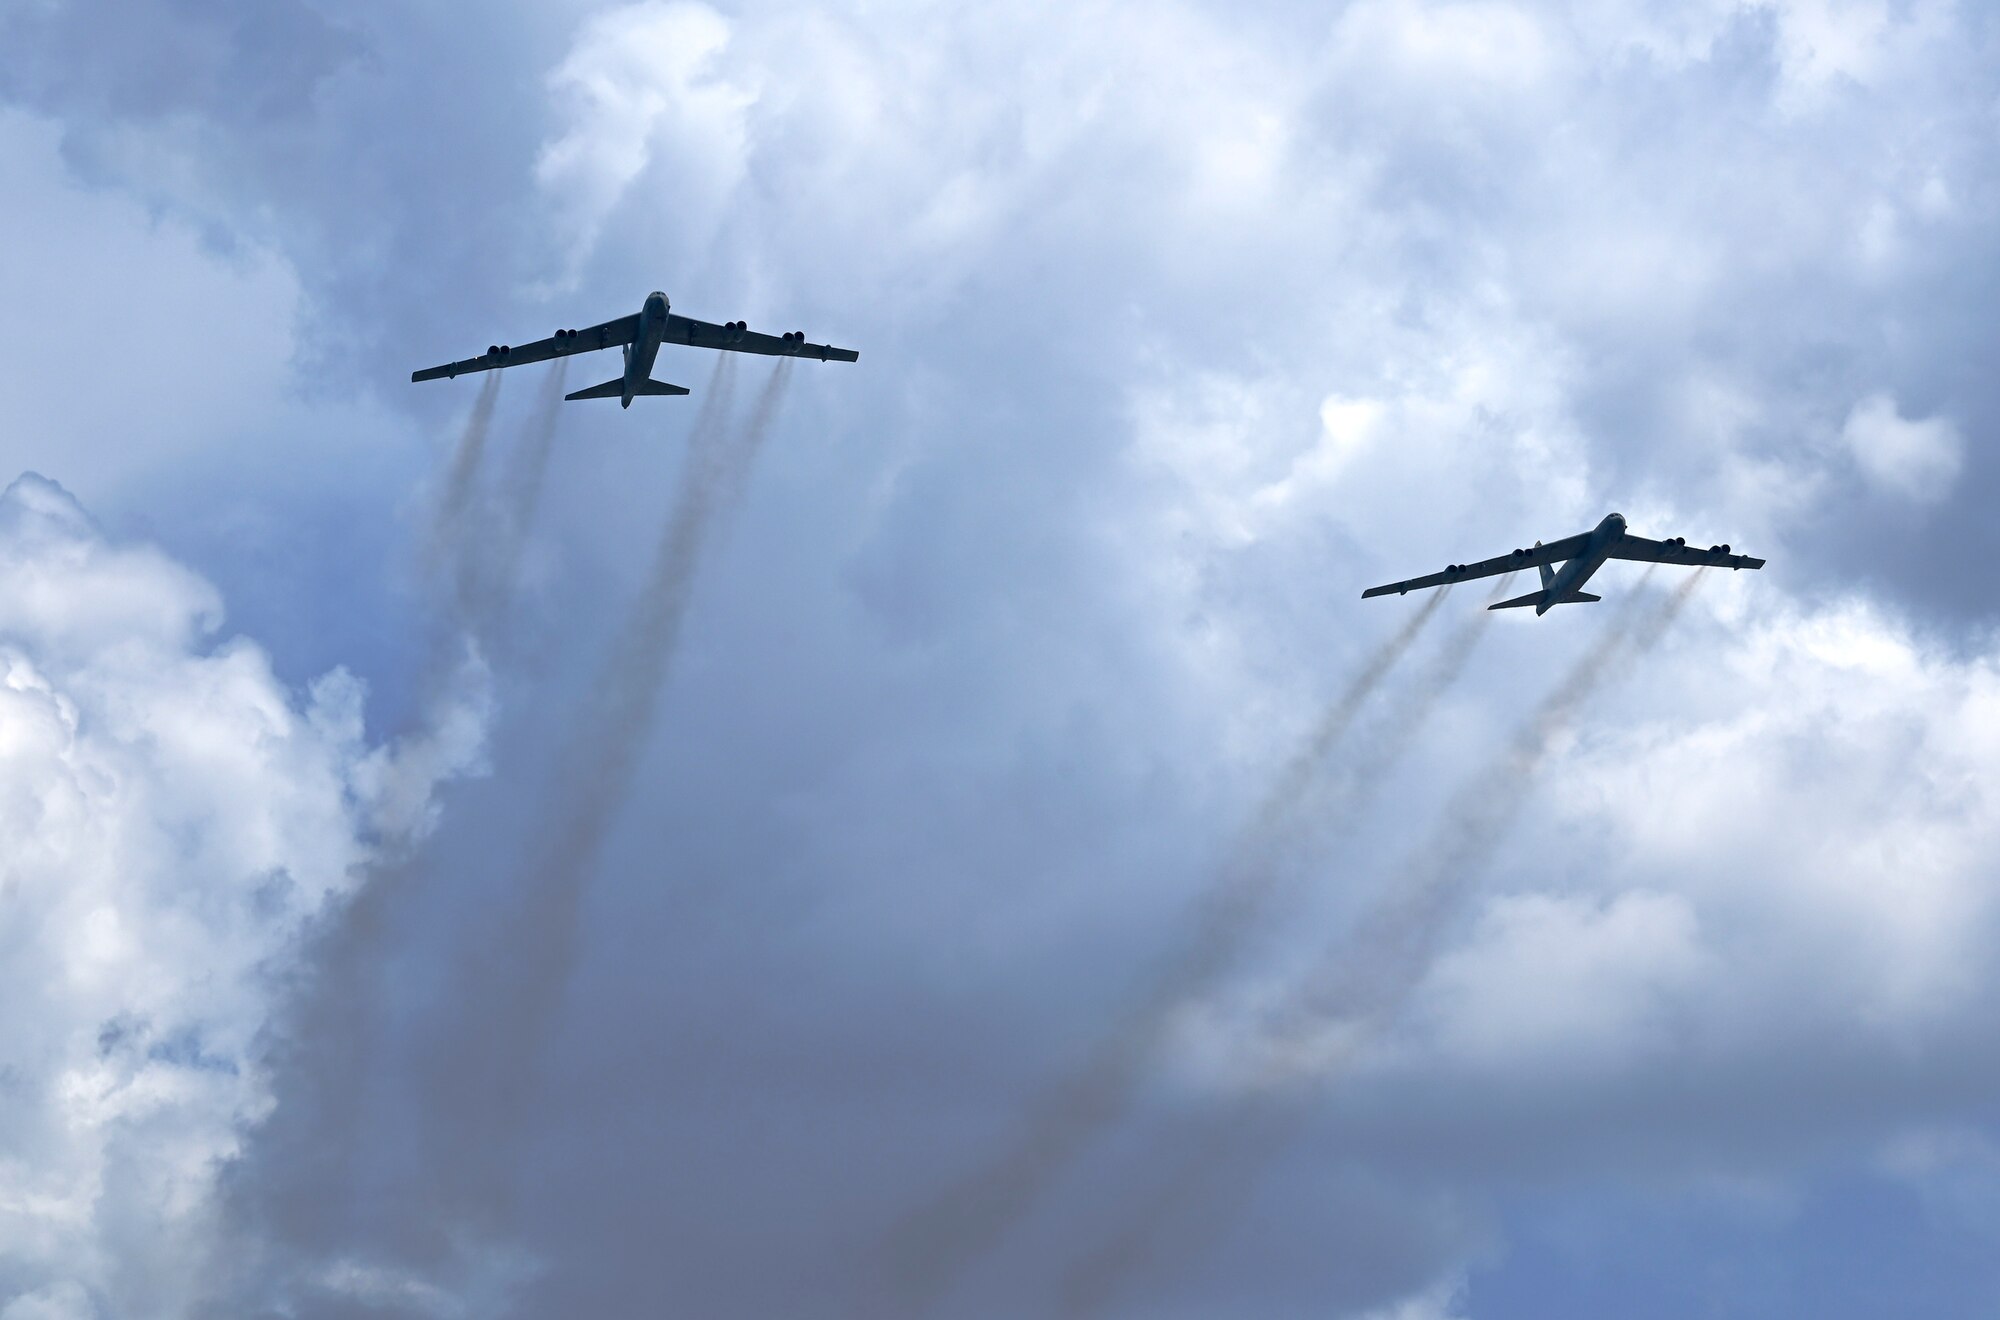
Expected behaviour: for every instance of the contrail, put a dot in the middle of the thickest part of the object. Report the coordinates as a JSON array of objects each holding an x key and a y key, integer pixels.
[
  {"x": 928, "y": 1250},
  {"x": 515, "y": 984},
  {"x": 1366, "y": 977}
]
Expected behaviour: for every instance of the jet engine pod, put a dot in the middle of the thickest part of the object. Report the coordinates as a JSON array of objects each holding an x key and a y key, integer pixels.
[
  {"x": 1725, "y": 547},
  {"x": 493, "y": 350}
]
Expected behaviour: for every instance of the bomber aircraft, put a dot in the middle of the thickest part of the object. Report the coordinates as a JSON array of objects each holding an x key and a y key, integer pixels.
[
  {"x": 1580, "y": 556},
  {"x": 641, "y": 335}
]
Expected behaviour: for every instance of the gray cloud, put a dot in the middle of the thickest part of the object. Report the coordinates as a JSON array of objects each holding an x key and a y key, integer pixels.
[{"x": 1177, "y": 326}]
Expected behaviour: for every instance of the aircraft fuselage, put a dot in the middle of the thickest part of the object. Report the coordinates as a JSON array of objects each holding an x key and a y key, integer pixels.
[
  {"x": 645, "y": 346},
  {"x": 1577, "y": 571}
]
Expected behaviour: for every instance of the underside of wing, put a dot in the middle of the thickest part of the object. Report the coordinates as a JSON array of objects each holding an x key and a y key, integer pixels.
[
  {"x": 560, "y": 344},
  {"x": 1676, "y": 550},
  {"x": 1552, "y": 553},
  {"x": 735, "y": 337}
]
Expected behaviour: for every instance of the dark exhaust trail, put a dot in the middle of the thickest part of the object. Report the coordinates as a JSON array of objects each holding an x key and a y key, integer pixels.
[
  {"x": 1379, "y": 964},
  {"x": 487, "y": 564},
  {"x": 1379, "y": 748},
  {"x": 514, "y": 985},
  {"x": 455, "y": 499},
  {"x": 1366, "y": 977},
  {"x": 320, "y": 1050},
  {"x": 293, "y": 1193},
  {"x": 928, "y": 1250}
]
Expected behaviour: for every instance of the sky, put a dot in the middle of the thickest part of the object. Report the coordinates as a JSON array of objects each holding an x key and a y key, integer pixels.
[{"x": 943, "y": 835}]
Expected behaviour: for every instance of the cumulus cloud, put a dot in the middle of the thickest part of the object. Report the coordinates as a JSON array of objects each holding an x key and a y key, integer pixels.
[
  {"x": 1182, "y": 317},
  {"x": 1801, "y": 877},
  {"x": 1915, "y": 459},
  {"x": 174, "y": 813},
  {"x": 641, "y": 80}
]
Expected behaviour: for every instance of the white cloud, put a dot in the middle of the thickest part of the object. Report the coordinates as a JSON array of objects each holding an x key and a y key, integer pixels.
[
  {"x": 173, "y": 813},
  {"x": 641, "y": 80},
  {"x": 1918, "y": 459},
  {"x": 1561, "y": 982},
  {"x": 1779, "y": 847},
  {"x": 1355, "y": 285},
  {"x": 1441, "y": 1301},
  {"x": 1454, "y": 49}
]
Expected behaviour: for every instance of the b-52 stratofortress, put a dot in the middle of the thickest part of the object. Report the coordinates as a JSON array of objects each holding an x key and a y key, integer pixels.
[
  {"x": 641, "y": 335},
  {"x": 1580, "y": 556}
]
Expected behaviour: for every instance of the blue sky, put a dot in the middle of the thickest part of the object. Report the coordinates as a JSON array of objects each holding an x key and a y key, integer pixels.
[{"x": 932, "y": 884}]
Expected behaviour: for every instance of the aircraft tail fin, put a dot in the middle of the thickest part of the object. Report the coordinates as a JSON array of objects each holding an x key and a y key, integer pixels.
[
  {"x": 615, "y": 389},
  {"x": 1548, "y": 572},
  {"x": 1537, "y": 597}
]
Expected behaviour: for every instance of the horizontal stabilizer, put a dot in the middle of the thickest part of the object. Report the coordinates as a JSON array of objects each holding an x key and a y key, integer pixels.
[
  {"x": 1537, "y": 597},
  {"x": 615, "y": 389}
]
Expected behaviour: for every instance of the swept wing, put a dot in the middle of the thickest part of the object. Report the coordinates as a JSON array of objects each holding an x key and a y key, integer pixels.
[
  {"x": 1552, "y": 553},
  {"x": 1678, "y": 551},
  {"x": 611, "y": 334},
  {"x": 734, "y": 338}
]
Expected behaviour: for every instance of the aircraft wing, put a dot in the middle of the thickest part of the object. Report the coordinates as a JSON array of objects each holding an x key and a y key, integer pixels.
[
  {"x": 706, "y": 334},
  {"x": 562, "y": 344},
  {"x": 1629, "y": 546},
  {"x": 1552, "y": 553}
]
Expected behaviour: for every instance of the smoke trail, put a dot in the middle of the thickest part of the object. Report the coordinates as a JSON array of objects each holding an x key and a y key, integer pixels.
[
  {"x": 1379, "y": 964},
  {"x": 1090, "y": 1283},
  {"x": 293, "y": 1195},
  {"x": 319, "y": 1049},
  {"x": 1366, "y": 977},
  {"x": 928, "y": 1249},
  {"x": 514, "y": 985},
  {"x": 1380, "y": 747},
  {"x": 447, "y": 519},
  {"x": 488, "y": 559}
]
